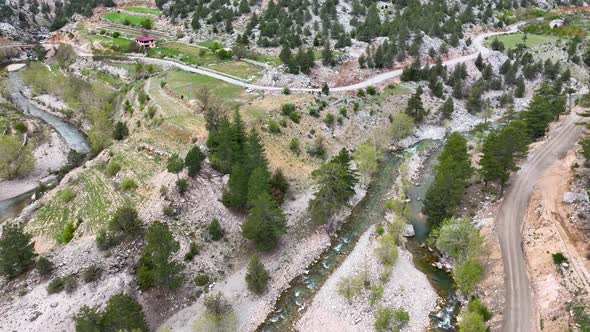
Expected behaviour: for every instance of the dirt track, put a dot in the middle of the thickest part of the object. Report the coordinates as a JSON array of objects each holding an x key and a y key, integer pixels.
[{"x": 518, "y": 310}]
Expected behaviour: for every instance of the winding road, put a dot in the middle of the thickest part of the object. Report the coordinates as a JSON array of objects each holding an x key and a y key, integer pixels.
[
  {"x": 518, "y": 311},
  {"x": 379, "y": 78}
]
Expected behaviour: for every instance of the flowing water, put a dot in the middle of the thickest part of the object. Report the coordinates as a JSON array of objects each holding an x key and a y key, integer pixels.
[
  {"x": 370, "y": 210},
  {"x": 76, "y": 140}
]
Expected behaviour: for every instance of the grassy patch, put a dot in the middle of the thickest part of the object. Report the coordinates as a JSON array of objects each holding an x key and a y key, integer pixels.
[
  {"x": 127, "y": 19},
  {"x": 270, "y": 59},
  {"x": 238, "y": 68},
  {"x": 211, "y": 43},
  {"x": 143, "y": 10},
  {"x": 543, "y": 28},
  {"x": 187, "y": 84},
  {"x": 76, "y": 93},
  {"x": 185, "y": 53},
  {"x": 92, "y": 207},
  {"x": 511, "y": 40}
]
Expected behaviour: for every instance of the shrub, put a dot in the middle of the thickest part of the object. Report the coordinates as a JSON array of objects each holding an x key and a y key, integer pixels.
[
  {"x": 182, "y": 186},
  {"x": 376, "y": 294},
  {"x": 383, "y": 318},
  {"x": 371, "y": 91},
  {"x": 123, "y": 313},
  {"x": 314, "y": 112},
  {"x": 113, "y": 167},
  {"x": 387, "y": 250},
  {"x": 67, "y": 194},
  {"x": 401, "y": 316},
  {"x": 127, "y": 184},
  {"x": 295, "y": 117},
  {"x": 106, "y": 240},
  {"x": 125, "y": 221},
  {"x": 215, "y": 230},
  {"x": 286, "y": 91},
  {"x": 91, "y": 273},
  {"x": 168, "y": 211},
  {"x": 329, "y": 119},
  {"x": 475, "y": 305},
  {"x": 257, "y": 276},
  {"x": 193, "y": 250},
  {"x": 20, "y": 127},
  {"x": 379, "y": 229},
  {"x": 349, "y": 287},
  {"x": 67, "y": 233},
  {"x": 116, "y": 34},
  {"x": 287, "y": 109},
  {"x": 273, "y": 127},
  {"x": 201, "y": 280},
  {"x": 55, "y": 286},
  {"x": 121, "y": 131},
  {"x": 343, "y": 111},
  {"x": 44, "y": 266},
  {"x": 559, "y": 258},
  {"x": 294, "y": 146},
  {"x": 467, "y": 274},
  {"x": 194, "y": 160},
  {"x": 360, "y": 93},
  {"x": 70, "y": 284}
]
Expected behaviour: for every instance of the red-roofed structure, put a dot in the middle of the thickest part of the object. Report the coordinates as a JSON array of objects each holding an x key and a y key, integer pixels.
[{"x": 147, "y": 42}]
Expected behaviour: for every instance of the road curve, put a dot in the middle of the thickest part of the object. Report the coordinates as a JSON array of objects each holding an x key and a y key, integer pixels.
[
  {"x": 379, "y": 78},
  {"x": 518, "y": 310}
]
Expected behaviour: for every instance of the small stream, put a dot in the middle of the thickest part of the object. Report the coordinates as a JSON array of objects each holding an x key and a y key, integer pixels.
[
  {"x": 370, "y": 210},
  {"x": 74, "y": 138}
]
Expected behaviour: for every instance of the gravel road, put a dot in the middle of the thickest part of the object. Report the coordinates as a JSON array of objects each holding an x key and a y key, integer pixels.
[{"x": 519, "y": 308}]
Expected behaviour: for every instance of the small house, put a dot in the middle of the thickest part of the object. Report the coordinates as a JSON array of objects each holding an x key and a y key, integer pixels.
[
  {"x": 146, "y": 42},
  {"x": 556, "y": 23}
]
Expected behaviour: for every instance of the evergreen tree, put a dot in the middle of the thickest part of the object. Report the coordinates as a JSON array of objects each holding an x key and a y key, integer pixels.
[
  {"x": 123, "y": 313},
  {"x": 120, "y": 131},
  {"x": 156, "y": 267},
  {"x": 258, "y": 184},
  {"x": 448, "y": 108},
  {"x": 479, "y": 62},
  {"x": 175, "y": 164},
  {"x": 278, "y": 186},
  {"x": 193, "y": 160},
  {"x": 501, "y": 151},
  {"x": 474, "y": 102},
  {"x": 16, "y": 251},
  {"x": 327, "y": 56},
  {"x": 415, "y": 109},
  {"x": 520, "y": 88},
  {"x": 265, "y": 223},
  {"x": 336, "y": 182},
  {"x": 237, "y": 194},
  {"x": 450, "y": 180},
  {"x": 257, "y": 276}
]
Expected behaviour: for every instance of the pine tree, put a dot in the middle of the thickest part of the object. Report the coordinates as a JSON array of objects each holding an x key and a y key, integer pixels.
[
  {"x": 257, "y": 276},
  {"x": 448, "y": 108},
  {"x": 450, "y": 180},
  {"x": 237, "y": 194},
  {"x": 265, "y": 223},
  {"x": 415, "y": 108},
  {"x": 336, "y": 182},
  {"x": 258, "y": 184},
  {"x": 193, "y": 160},
  {"x": 520, "y": 87},
  {"x": 175, "y": 164},
  {"x": 120, "y": 131},
  {"x": 244, "y": 7},
  {"x": 16, "y": 251},
  {"x": 327, "y": 56},
  {"x": 123, "y": 313},
  {"x": 285, "y": 55},
  {"x": 157, "y": 267},
  {"x": 279, "y": 186},
  {"x": 479, "y": 62},
  {"x": 474, "y": 102}
]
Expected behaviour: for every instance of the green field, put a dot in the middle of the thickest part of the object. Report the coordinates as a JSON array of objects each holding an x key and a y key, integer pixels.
[
  {"x": 185, "y": 53},
  {"x": 143, "y": 10},
  {"x": 181, "y": 82},
  {"x": 134, "y": 20},
  {"x": 237, "y": 68},
  {"x": 511, "y": 40},
  {"x": 211, "y": 43}
]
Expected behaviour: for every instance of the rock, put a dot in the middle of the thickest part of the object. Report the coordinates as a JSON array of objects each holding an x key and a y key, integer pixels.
[
  {"x": 409, "y": 231},
  {"x": 571, "y": 197},
  {"x": 53, "y": 305},
  {"x": 34, "y": 315}
]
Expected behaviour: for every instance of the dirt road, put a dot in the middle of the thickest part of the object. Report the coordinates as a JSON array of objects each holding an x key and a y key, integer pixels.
[{"x": 518, "y": 309}]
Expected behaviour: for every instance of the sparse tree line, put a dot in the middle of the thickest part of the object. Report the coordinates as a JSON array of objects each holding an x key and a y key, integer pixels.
[{"x": 501, "y": 151}]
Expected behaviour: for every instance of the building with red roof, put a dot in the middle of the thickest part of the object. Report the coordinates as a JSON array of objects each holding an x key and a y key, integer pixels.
[{"x": 147, "y": 42}]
